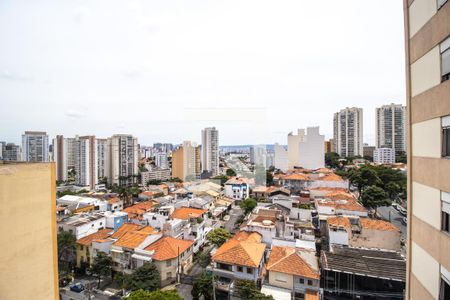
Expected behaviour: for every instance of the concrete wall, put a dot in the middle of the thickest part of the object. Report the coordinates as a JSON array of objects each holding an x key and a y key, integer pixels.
[
  {"x": 28, "y": 259},
  {"x": 281, "y": 280}
]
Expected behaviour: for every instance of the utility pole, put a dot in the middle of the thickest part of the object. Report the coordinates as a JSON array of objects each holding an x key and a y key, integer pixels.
[{"x": 178, "y": 266}]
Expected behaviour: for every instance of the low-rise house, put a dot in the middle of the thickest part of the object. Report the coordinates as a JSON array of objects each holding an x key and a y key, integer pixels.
[
  {"x": 115, "y": 219},
  {"x": 362, "y": 273},
  {"x": 298, "y": 181},
  {"x": 83, "y": 246},
  {"x": 127, "y": 252},
  {"x": 83, "y": 225},
  {"x": 194, "y": 226},
  {"x": 237, "y": 188},
  {"x": 241, "y": 257},
  {"x": 136, "y": 212},
  {"x": 363, "y": 233},
  {"x": 295, "y": 270},
  {"x": 265, "y": 222},
  {"x": 263, "y": 192},
  {"x": 339, "y": 203},
  {"x": 159, "y": 216},
  {"x": 172, "y": 257}
]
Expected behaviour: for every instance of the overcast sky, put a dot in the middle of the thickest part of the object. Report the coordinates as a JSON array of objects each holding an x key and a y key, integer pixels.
[{"x": 162, "y": 70}]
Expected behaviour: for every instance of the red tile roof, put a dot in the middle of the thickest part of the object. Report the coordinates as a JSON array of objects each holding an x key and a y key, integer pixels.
[{"x": 168, "y": 248}]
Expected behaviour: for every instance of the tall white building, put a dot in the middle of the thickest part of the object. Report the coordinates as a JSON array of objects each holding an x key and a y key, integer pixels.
[
  {"x": 210, "y": 150},
  {"x": 311, "y": 150},
  {"x": 86, "y": 162},
  {"x": 280, "y": 157},
  {"x": 102, "y": 159},
  {"x": 348, "y": 132},
  {"x": 293, "y": 151},
  {"x": 35, "y": 146},
  {"x": 161, "y": 160},
  {"x": 123, "y": 158},
  {"x": 390, "y": 127},
  {"x": 60, "y": 157}
]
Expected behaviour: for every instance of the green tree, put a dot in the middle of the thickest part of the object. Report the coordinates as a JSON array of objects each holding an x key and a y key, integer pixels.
[
  {"x": 392, "y": 189},
  {"x": 248, "y": 290},
  {"x": 364, "y": 177},
  {"x": 156, "y": 295},
  {"x": 66, "y": 249},
  {"x": 101, "y": 267},
  {"x": 269, "y": 178},
  {"x": 176, "y": 179},
  {"x": 146, "y": 277},
  {"x": 374, "y": 197},
  {"x": 203, "y": 259},
  {"x": 401, "y": 157},
  {"x": 221, "y": 178},
  {"x": 218, "y": 236},
  {"x": 231, "y": 172},
  {"x": 248, "y": 205},
  {"x": 203, "y": 286},
  {"x": 153, "y": 182},
  {"x": 332, "y": 159}
]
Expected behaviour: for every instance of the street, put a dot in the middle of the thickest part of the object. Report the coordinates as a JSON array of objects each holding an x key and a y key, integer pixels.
[
  {"x": 235, "y": 212},
  {"x": 395, "y": 218}
]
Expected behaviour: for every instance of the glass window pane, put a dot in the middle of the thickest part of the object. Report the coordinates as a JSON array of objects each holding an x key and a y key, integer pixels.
[{"x": 445, "y": 62}]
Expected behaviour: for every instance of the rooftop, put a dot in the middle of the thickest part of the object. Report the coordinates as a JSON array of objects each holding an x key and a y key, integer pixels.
[
  {"x": 133, "y": 239},
  {"x": 168, "y": 248},
  {"x": 372, "y": 263},
  {"x": 185, "y": 213},
  {"x": 289, "y": 260},
  {"x": 99, "y": 235}
]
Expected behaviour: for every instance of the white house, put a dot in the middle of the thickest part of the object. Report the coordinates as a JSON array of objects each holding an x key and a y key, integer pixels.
[{"x": 237, "y": 188}]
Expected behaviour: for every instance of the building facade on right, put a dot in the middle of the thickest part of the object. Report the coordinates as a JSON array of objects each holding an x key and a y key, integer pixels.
[
  {"x": 348, "y": 132},
  {"x": 427, "y": 39},
  {"x": 390, "y": 127}
]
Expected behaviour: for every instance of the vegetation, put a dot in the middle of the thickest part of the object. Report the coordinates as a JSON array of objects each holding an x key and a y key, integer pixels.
[
  {"x": 146, "y": 278},
  {"x": 248, "y": 205},
  {"x": 70, "y": 192},
  {"x": 101, "y": 267},
  {"x": 239, "y": 221},
  {"x": 203, "y": 286},
  {"x": 332, "y": 160},
  {"x": 231, "y": 172},
  {"x": 203, "y": 259},
  {"x": 247, "y": 289},
  {"x": 176, "y": 179},
  {"x": 156, "y": 295},
  {"x": 218, "y": 236},
  {"x": 401, "y": 157},
  {"x": 221, "y": 178},
  {"x": 269, "y": 178},
  {"x": 66, "y": 250},
  {"x": 374, "y": 197},
  {"x": 153, "y": 182}
]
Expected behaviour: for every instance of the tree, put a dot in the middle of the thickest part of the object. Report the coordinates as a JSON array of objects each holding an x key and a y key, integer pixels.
[
  {"x": 203, "y": 259},
  {"x": 203, "y": 286},
  {"x": 221, "y": 178},
  {"x": 101, "y": 266},
  {"x": 66, "y": 248},
  {"x": 156, "y": 295},
  {"x": 401, "y": 157},
  {"x": 146, "y": 277},
  {"x": 269, "y": 178},
  {"x": 153, "y": 182},
  {"x": 176, "y": 179},
  {"x": 332, "y": 159},
  {"x": 363, "y": 177},
  {"x": 374, "y": 197},
  {"x": 248, "y": 205},
  {"x": 247, "y": 290},
  {"x": 230, "y": 172},
  {"x": 218, "y": 236}
]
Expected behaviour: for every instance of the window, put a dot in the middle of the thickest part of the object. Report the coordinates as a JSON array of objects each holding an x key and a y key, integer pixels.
[
  {"x": 441, "y": 3},
  {"x": 81, "y": 248},
  {"x": 299, "y": 296},
  {"x": 240, "y": 269},
  {"x": 310, "y": 282},
  {"x": 249, "y": 270},
  {"x": 445, "y": 59},
  {"x": 445, "y": 212},
  {"x": 444, "y": 291},
  {"x": 169, "y": 275},
  {"x": 445, "y": 122},
  {"x": 168, "y": 263},
  {"x": 302, "y": 281}
]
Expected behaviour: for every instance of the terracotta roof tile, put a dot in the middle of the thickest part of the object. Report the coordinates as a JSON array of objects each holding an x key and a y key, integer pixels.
[
  {"x": 185, "y": 213},
  {"x": 133, "y": 239},
  {"x": 101, "y": 234},
  {"x": 124, "y": 229},
  {"x": 168, "y": 248},
  {"x": 288, "y": 260},
  {"x": 339, "y": 221},
  {"x": 297, "y": 176},
  {"x": 377, "y": 224}
]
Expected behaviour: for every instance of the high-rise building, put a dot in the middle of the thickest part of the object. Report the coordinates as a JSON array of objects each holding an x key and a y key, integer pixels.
[
  {"x": 102, "y": 159},
  {"x": 329, "y": 146},
  {"x": 10, "y": 152},
  {"x": 293, "y": 144},
  {"x": 60, "y": 157},
  {"x": 311, "y": 151},
  {"x": 348, "y": 132},
  {"x": 390, "y": 127},
  {"x": 384, "y": 156},
  {"x": 210, "y": 150},
  {"x": 184, "y": 162},
  {"x": 35, "y": 146},
  {"x": 280, "y": 157},
  {"x": 86, "y": 162},
  {"x": 29, "y": 264},
  {"x": 161, "y": 160},
  {"x": 123, "y": 159},
  {"x": 427, "y": 33}
]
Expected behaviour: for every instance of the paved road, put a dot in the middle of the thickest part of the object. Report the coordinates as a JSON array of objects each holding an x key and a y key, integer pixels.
[
  {"x": 234, "y": 215},
  {"x": 185, "y": 291},
  {"x": 389, "y": 213}
]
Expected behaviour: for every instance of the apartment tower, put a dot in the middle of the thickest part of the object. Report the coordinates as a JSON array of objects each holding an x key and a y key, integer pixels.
[
  {"x": 348, "y": 132},
  {"x": 123, "y": 159},
  {"x": 185, "y": 162},
  {"x": 427, "y": 31},
  {"x": 390, "y": 127},
  {"x": 210, "y": 150},
  {"x": 86, "y": 162},
  {"x": 35, "y": 146}
]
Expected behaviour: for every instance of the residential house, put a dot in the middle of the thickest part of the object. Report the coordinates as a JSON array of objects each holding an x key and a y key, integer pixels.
[
  {"x": 241, "y": 257},
  {"x": 194, "y": 225},
  {"x": 83, "y": 224},
  {"x": 295, "y": 270},
  {"x": 84, "y": 247},
  {"x": 263, "y": 192},
  {"x": 303, "y": 180},
  {"x": 136, "y": 212},
  {"x": 172, "y": 257},
  {"x": 237, "y": 188}
]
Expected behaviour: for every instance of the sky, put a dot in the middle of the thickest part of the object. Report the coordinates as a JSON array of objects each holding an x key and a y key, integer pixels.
[{"x": 163, "y": 70}]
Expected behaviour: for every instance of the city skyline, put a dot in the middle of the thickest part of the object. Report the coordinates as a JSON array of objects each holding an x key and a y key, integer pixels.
[{"x": 153, "y": 74}]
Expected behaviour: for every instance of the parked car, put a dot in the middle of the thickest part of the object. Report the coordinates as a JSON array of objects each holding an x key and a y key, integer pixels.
[
  {"x": 402, "y": 211},
  {"x": 405, "y": 220},
  {"x": 64, "y": 281},
  {"x": 77, "y": 287}
]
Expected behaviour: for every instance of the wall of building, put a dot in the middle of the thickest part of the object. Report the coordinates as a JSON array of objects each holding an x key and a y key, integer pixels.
[
  {"x": 28, "y": 259},
  {"x": 281, "y": 280}
]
